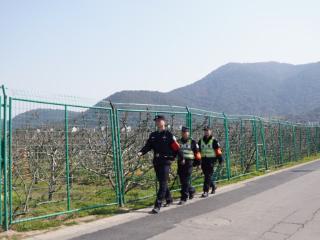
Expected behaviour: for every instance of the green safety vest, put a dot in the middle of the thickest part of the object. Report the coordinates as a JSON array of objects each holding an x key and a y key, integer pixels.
[
  {"x": 207, "y": 150},
  {"x": 186, "y": 148}
]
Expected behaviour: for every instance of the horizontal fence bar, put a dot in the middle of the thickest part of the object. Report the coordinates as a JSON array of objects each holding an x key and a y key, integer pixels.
[
  {"x": 60, "y": 104},
  {"x": 151, "y": 111},
  {"x": 62, "y": 213}
]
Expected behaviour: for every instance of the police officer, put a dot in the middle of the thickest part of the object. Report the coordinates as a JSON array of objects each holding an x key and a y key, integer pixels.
[
  {"x": 165, "y": 148},
  {"x": 210, "y": 152},
  {"x": 191, "y": 154}
]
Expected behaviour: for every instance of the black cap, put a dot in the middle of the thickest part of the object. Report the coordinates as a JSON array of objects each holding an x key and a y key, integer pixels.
[
  {"x": 185, "y": 129},
  {"x": 159, "y": 117},
  {"x": 205, "y": 128}
]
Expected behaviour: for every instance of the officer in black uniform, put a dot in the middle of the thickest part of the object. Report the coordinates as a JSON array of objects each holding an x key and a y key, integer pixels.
[
  {"x": 165, "y": 148},
  {"x": 192, "y": 157},
  {"x": 210, "y": 152}
]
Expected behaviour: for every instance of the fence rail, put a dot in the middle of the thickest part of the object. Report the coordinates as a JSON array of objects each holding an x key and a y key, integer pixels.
[{"x": 60, "y": 157}]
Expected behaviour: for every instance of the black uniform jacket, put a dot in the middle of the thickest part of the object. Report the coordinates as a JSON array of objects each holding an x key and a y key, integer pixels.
[{"x": 161, "y": 144}]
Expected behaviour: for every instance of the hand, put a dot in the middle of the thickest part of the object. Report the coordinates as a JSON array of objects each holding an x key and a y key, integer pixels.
[
  {"x": 182, "y": 162},
  {"x": 196, "y": 163},
  {"x": 221, "y": 162},
  {"x": 139, "y": 154}
]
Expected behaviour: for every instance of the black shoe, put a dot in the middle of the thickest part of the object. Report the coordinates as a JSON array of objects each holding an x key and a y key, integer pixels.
[
  {"x": 155, "y": 210},
  {"x": 214, "y": 188},
  {"x": 204, "y": 195},
  {"x": 182, "y": 202},
  {"x": 191, "y": 196},
  {"x": 168, "y": 203}
]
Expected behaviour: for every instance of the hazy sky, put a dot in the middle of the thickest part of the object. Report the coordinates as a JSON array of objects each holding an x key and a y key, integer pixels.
[{"x": 94, "y": 48}]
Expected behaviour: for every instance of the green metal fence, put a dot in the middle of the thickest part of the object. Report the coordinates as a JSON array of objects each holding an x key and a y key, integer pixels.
[{"x": 59, "y": 157}]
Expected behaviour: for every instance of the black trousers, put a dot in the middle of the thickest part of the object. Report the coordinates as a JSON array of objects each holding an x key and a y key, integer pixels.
[
  {"x": 184, "y": 172},
  {"x": 207, "y": 166},
  {"x": 162, "y": 173}
]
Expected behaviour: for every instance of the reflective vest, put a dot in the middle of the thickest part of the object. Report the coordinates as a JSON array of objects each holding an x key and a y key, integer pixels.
[
  {"x": 207, "y": 150},
  {"x": 186, "y": 148}
]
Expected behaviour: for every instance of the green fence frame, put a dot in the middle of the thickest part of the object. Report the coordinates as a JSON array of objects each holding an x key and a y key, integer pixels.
[
  {"x": 258, "y": 125},
  {"x": 7, "y": 162}
]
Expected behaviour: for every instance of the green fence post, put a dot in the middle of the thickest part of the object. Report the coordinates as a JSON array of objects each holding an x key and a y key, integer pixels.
[
  {"x": 264, "y": 145},
  {"x": 284, "y": 143},
  {"x": 294, "y": 142},
  {"x": 5, "y": 162},
  {"x": 187, "y": 117},
  {"x": 189, "y": 120},
  {"x": 226, "y": 132},
  {"x": 311, "y": 130},
  {"x": 256, "y": 143},
  {"x": 115, "y": 154},
  {"x": 66, "y": 122},
  {"x": 10, "y": 161},
  {"x": 300, "y": 142},
  {"x": 308, "y": 139},
  {"x": 241, "y": 145},
  {"x": 120, "y": 160},
  {"x": 190, "y": 123},
  {"x": 280, "y": 143},
  {"x": 1, "y": 161},
  {"x": 273, "y": 147},
  {"x": 318, "y": 139}
]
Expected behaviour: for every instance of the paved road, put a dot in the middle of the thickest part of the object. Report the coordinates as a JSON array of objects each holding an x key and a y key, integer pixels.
[
  {"x": 280, "y": 206},
  {"x": 284, "y": 205}
]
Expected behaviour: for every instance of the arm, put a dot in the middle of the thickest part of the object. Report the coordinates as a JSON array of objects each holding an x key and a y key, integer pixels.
[
  {"x": 175, "y": 147},
  {"x": 147, "y": 147},
  {"x": 196, "y": 151},
  {"x": 199, "y": 145},
  {"x": 217, "y": 148}
]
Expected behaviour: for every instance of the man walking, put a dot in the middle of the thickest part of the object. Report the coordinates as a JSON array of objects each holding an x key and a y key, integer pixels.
[
  {"x": 210, "y": 152},
  {"x": 191, "y": 154},
  {"x": 165, "y": 148}
]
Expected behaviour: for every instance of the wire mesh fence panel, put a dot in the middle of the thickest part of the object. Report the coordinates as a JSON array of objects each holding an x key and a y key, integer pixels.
[
  {"x": 277, "y": 135},
  {"x": 314, "y": 135},
  {"x": 272, "y": 146},
  {"x": 235, "y": 138},
  {"x": 134, "y": 128},
  {"x": 271, "y": 153},
  {"x": 304, "y": 146},
  {"x": 262, "y": 146},
  {"x": 139, "y": 178},
  {"x": 247, "y": 146},
  {"x": 217, "y": 125},
  {"x": 199, "y": 121},
  {"x": 92, "y": 179},
  {"x": 38, "y": 185},
  {"x": 286, "y": 143}
]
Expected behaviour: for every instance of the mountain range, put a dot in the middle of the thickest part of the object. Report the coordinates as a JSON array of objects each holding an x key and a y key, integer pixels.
[
  {"x": 264, "y": 89},
  {"x": 268, "y": 89}
]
